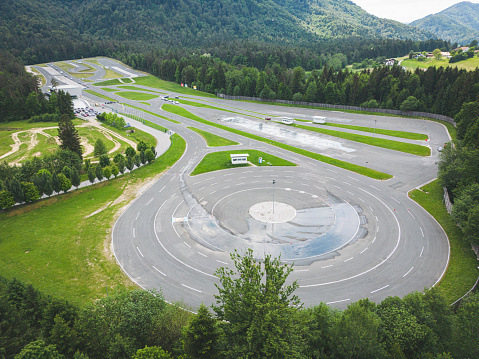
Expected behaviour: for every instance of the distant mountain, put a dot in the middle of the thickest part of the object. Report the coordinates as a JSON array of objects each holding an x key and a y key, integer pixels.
[
  {"x": 193, "y": 22},
  {"x": 458, "y": 23}
]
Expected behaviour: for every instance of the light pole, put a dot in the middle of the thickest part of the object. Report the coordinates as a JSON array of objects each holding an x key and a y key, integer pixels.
[{"x": 273, "y": 194}]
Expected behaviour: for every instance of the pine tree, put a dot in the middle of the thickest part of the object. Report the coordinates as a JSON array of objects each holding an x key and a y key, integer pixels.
[
  {"x": 68, "y": 135},
  {"x": 75, "y": 177}
]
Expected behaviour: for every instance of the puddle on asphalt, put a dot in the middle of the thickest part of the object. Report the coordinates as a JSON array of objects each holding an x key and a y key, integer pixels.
[{"x": 283, "y": 132}]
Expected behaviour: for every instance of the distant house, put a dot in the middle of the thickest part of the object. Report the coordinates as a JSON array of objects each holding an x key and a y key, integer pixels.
[
  {"x": 446, "y": 54},
  {"x": 429, "y": 56},
  {"x": 418, "y": 56},
  {"x": 390, "y": 62}
]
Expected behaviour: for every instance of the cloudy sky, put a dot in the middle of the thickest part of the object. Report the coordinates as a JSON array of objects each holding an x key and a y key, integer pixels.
[{"x": 405, "y": 10}]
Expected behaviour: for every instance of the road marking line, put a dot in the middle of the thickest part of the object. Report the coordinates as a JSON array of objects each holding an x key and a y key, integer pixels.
[
  {"x": 327, "y": 266},
  {"x": 377, "y": 229},
  {"x": 374, "y": 239},
  {"x": 395, "y": 199},
  {"x": 172, "y": 195},
  {"x": 221, "y": 262},
  {"x": 196, "y": 290},
  {"x": 187, "y": 244},
  {"x": 354, "y": 179},
  {"x": 301, "y": 270},
  {"x": 372, "y": 210},
  {"x": 336, "y": 186},
  {"x": 213, "y": 184},
  {"x": 147, "y": 203},
  {"x": 162, "y": 189},
  {"x": 364, "y": 250},
  {"x": 409, "y": 271},
  {"x": 212, "y": 192},
  {"x": 349, "y": 259},
  {"x": 421, "y": 251},
  {"x": 351, "y": 193},
  {"x": 421, "y": 231},
  {"x": 338, "y": 301},
  {"x": 140, "y": 252},
  {"x": 327, "y": 169},
  {"x": 204, "y": 255},
  {"x": 376, "y": 218},
  {"x": 361, "y": 200},
  {"x": 133, "y": 232},
  {"x": 375, "y": 187},
  {"x": 201, "y": 189},
  {"x": 411, "y": 215},
  {"x": 137, "y": 216},
  {"x": 159, "y": 271},
  {"x": 172, "y": 178},
  {"x": 377, "y": 290}
]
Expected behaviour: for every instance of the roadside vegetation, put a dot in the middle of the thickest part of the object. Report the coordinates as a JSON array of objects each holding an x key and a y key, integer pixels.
[
  {"x": 91, "y": 92},
  {"x": 151, "y": 113},
  {"x": 213, "y": 140},
  {"x": 332, "y": 161},
  {"x": 411, "y": 148},
  {"x": 137, "y": 96},
  {"x": 380, "y": 131},
  {"x": 155, "y": 82},
  {"x": 221, "y": 160},
  {"x": 113, "y": 82}
]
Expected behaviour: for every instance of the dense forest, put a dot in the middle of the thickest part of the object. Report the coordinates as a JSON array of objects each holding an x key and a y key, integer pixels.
[{"x": 255, "y": 316}]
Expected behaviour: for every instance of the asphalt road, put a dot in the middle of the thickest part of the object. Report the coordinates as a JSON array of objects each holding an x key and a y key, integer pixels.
[{"x": 368, "y": 238}]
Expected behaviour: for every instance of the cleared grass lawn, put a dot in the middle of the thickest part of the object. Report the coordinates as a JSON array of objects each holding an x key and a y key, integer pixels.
[
  {"x": 91, "y": 92},
  {"x": 198, "y": 104},
  {"x": 155, "y": 82},
  {"x": 109, "y": 89},
  {"x": 145, "y": 103},
  {"x": 64, "y": 66},
  {"x": 468, "y": 64},
  {"x": 108, "y": 82},
  {"x": 138, "y": 96},
  {"x": 332, "y": 161},
  {"x": 65, "y": 249},
  {"x": 221, "y": 160},
  {"x": 91, "y": 134},
  {"x": 110, "y": 74},
  {"x": 137, "y": 136},
  {"x": 136, "y": 88},
  {"x": 400, "y": 134},
  {"x": 151, "y": 113},
  {"x": 6, "y": 141},
  {"x": 462, "y": 271},
  {"x": 213, "y": 140},
  {"x": 411, "y": 148}
]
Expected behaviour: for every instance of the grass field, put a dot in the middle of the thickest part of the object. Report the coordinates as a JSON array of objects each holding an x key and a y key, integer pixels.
[
  {"x": 110, "y": 74},
  {"x": 65, "y": 249},
  {"x": 154, "y": 82},
  {"x": 380, "y": 131},
  {"x": 198, "y": 104},
  {"x": 213, "y": 140},
  {"x": 332, "y": 161},
  {"x": 145, "y": 103},
  {"x": 108, "y": 83},
  {"x": 91, "y": 92},
  {"x": 137, "y": 96},
  {"x": 42, "y": 79},
  {"x": 462, "y": 271},
  {"x": 411, "y": 148},
  {"x": 136, "y": 88},
  {"x": 221, "y": 160},
  {"x": 109, "y": 89},
  {"x": 469, "y": 64}
]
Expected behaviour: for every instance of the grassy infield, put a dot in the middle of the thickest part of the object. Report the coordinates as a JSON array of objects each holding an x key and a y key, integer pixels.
[{"x": 36, "y": 253}]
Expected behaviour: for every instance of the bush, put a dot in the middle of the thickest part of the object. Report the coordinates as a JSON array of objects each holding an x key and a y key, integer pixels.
[
  {"x": 104, "y": 160},
  {"x": 46, "y": 117}
]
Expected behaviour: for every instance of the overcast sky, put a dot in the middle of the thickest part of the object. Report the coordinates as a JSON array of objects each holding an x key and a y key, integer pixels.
[{"x": 405, "y": 10}]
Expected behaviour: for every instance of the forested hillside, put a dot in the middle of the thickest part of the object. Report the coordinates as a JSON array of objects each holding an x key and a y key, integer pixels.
[
  {"x": 458, "y": 23},
  {"x": 41, "y": 30}
]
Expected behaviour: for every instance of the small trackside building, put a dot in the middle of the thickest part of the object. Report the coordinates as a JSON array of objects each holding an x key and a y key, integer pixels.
[
  {"x": 287, "y": 120},
  {"x": 238, "y": 158}
]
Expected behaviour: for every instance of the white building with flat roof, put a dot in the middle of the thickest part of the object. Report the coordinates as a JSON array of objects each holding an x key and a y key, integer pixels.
[
  {"x": 287, "y": 120},
  {"x": 239, "y": 158},
  {"x": 74, "y": 91}
]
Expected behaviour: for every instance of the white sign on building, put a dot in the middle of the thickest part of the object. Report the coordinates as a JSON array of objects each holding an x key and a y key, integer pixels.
[{"x": 237, "y": 159}]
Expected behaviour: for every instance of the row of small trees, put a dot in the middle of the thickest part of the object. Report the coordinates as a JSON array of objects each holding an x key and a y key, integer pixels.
[{"x": 40, "y": 177}]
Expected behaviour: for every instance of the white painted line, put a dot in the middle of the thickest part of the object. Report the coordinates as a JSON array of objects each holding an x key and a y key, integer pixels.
[
  {"x": 394, "y": 199},
  {"x": 327, "y": 169},
  {"x": 133, "y": 232},
  {"x": 351, "y": 193},
  {"x": 229, "y": 186},
  {"x": 172, "y": 195},
  {"x": 204, "y": 255},
  {"x": 137, "y": 216},
  {"x": 327, "y": 266},
  {"x": 159, "y": 271},
  {"x": 374, "y": 239},
  {"x": 376, "y": 218},
  {"x": 201, "y": 189},
  {"x": 147, "y": 203},
  {"x": 240, "y": 184},
  {"x": 364, "y": 250},
  {"x": 196, "y": 290},
  {"x": 229, "y": 174},
  {"x": 372, "y": 210},
  {"x": 162, "y": 189},
  {"x": 172, "y": 178},
  {"x": 338, "y": 301},
  {"x": 421, "y": 231},
  {"x": 411, "y": 215},
  {"x": 301, "y": 270},
  {"x": 221, "y": 262},
  {"x": 140, "y": 251},
  {"x": 349, "y": 259},
  {"x": 377, "y": 229},
  {"x": 212, "y": 192},
  {"x": 374, "y": 187},
  {"x": 187, "y": 244},
  {"x": 422, "y": 250},
  {"x": 377, "y": 290},
  {"x": 409, "y": 271},
  {"x": 354, "y": 179},
  {"x": 361, "y": 200},
  {"x": 213, "y": 184},
  {"x": 335, "y": 186}
]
